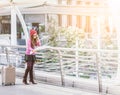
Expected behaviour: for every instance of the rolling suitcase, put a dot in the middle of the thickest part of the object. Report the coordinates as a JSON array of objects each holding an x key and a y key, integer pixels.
[{"x": 8, "y": 73}]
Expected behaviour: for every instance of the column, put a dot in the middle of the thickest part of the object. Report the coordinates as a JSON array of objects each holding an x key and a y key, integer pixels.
[
  {"x": 69, "y": 20},
  {"x": 74, "y": 20},
  {"x": 87, "y": 28},
  {"x": 83, "y": 22},
  {"x": 64, "y": 20},
  {"x": 13, "y": 27},
  {"x": 59, "y": 1},
  {"x": 46, "y": 24},
  {"x": 59, "y": 20},
  {"x": 110, "y": 24},
  {"x": 79, "y": 21}
]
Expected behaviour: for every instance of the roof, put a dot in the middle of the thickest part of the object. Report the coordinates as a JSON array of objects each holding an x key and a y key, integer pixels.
[{"x": 5, "y": 5}]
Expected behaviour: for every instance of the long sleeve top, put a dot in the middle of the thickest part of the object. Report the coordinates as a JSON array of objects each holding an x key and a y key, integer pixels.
[{"x": 29, "y": 49}]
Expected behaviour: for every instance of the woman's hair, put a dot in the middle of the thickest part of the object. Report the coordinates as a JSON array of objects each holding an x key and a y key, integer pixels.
[{"x": 33, "y": 41}]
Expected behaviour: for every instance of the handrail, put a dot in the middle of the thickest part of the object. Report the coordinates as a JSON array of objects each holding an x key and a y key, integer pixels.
[
  {"x": 60, "y": 54},
  {"x": 67, "y": 49}
]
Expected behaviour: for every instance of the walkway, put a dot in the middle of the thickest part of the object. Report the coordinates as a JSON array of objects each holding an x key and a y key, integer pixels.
[{"x": 39, "y": 89}]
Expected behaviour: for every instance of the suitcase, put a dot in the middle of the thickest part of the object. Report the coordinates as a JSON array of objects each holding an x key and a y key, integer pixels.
[
  {"x": 8, "y": 72},
  {"x": 8, "y": 75}
]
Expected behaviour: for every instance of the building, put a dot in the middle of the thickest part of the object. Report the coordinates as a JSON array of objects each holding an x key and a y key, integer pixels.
[{"x": 84, "y": 14}]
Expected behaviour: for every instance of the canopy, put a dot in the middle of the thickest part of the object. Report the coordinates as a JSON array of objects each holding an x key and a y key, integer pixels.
[{"x": 6, "y": 4}]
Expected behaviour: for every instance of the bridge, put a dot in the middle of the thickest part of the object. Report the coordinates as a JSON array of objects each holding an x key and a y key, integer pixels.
[{"x": 61, "y": 72}]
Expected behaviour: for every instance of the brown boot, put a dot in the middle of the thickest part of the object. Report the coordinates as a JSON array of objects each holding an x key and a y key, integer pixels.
[
  {"x": 33, "y": 82},
  {"x": 25, "y": 77},
  {"x": 25, "y": 82},
  {"x": 31, "y": 77}
]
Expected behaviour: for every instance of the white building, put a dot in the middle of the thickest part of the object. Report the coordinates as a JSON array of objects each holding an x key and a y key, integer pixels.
[{"x": 83, "y": 14}]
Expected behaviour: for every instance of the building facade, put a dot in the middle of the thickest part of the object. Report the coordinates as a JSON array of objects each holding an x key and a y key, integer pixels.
[{"x": 87, "y": 15}]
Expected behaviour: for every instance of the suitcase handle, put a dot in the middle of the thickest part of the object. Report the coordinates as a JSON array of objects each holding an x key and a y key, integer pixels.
[{"x": 7, "y": 56}]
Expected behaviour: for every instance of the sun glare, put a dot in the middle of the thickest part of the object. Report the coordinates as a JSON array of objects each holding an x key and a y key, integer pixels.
[
  {"x": 114, "y": 5},
  {"x": 114, "y": 8}
]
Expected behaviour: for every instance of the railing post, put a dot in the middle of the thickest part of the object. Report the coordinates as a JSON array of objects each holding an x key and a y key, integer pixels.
[
  {"x": 61, "y": 68},
  {"x": 99, "y": 74},
  {"x": 76, "y": 56}
]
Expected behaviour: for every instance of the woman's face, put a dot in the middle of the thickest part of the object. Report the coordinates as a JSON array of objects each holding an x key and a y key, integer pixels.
[{"x": 35, "y": 36}]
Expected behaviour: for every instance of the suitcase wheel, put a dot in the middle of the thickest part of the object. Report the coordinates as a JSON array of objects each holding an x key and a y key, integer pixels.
[
  {"x": 8, "y": 84},
  {"x": 2, "y": 84}
]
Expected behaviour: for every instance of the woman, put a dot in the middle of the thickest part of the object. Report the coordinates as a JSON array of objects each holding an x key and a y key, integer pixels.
[{"x": 30, "y": 56}]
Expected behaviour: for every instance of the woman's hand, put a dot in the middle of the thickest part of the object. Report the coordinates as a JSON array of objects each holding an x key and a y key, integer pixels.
[
  {"x": 33, "y": 51},
  {"x": 37, "y": 38}
]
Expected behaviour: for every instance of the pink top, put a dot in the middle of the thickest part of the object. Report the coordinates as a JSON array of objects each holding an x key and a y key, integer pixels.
[{"x": 29, "y": 48}]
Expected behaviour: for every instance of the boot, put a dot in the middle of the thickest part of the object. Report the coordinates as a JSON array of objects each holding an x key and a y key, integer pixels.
[
  {"x": 25, "y": 82},
  {"x": 32, "y": 81},
  {"x": 25, "y": 77},
  {"x": 31, "y": 77}
]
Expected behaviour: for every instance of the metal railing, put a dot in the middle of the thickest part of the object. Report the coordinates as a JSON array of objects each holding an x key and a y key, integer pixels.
[{"x": 89, "y": 64}]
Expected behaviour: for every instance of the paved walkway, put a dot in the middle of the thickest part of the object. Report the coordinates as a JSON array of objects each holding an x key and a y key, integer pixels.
[{"x": 39, "y": 89}]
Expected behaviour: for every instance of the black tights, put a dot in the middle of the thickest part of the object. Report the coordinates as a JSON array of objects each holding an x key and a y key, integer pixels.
[{"x": 29, "y": 70}]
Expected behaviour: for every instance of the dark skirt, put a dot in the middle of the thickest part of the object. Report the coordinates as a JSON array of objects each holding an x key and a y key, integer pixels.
[{"x": 30, "y": 58}]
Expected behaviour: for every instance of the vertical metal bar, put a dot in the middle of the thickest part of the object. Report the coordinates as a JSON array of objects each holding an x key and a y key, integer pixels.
[
  {"x": 76, "y": 55},
  {"x": 98, "y": 53},
  {"x": 61, "y": 68},
  {"x": 99, "y": 73}
]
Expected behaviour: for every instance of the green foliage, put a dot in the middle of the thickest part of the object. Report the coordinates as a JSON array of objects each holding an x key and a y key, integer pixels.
[
  {"x": 42, "y": 28},
  {"x": 52, "y": 32},
  {"x": 70, "y": 34}
]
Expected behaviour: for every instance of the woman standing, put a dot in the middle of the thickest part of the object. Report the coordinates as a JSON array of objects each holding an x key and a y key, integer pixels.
[{"x": 30, "y": 56}]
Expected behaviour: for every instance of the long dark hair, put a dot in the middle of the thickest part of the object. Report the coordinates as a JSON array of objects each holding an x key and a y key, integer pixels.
[{"x": 33, "y": 41}]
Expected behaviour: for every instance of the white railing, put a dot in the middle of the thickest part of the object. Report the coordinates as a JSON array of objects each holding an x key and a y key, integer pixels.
[{"x": 91, "y": 63}]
